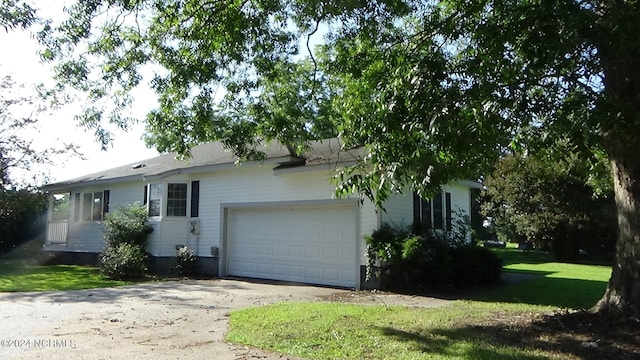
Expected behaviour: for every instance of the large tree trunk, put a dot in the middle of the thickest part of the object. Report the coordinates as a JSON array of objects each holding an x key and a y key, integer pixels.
[
  {"x": 619, "y": 49},
  {"x": 622, "y": 297}
]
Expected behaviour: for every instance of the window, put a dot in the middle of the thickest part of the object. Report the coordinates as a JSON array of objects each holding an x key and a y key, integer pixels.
[
  {"x": 155, "y": 199},
  {"x": 437, "y": 212},
  {"x": 177, "y": 200},
  {"x": 94, "y": 205},
  {"x": 421, "y": 211},
  {"x": 176, "y": 203},
  {"x": 430, "y": 212}
]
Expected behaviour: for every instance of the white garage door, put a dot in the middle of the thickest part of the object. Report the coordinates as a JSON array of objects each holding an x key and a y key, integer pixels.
[{"x": 303, "y": 244}]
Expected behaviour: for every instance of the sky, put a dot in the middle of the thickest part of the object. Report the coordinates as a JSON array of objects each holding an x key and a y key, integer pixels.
[{"x": 19, "y": 59}]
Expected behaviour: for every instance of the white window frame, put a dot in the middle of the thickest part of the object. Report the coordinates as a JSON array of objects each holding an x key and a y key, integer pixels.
[
  {"x": 95, "y": 212},
  {"x": 154, "y": 196},
  {"x": 172, "y": 201}
]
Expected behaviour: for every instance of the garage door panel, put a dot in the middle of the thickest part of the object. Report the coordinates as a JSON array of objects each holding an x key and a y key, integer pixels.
[{"x": 305, "y": 244}]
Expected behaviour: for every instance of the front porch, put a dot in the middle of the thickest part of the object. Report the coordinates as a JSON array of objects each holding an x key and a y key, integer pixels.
[
  {"x": 58, "y": 214},
  {"x": 57, "y": 232}
]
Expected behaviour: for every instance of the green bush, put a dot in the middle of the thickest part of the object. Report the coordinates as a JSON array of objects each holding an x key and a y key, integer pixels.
[
  {"x": 123, "y": 261},
  {"x": 476, "y": 266},
  {"x": 126, "y": 234},
  {"x": 127, "y": 225},
  {"x": 431, "y": 260}
]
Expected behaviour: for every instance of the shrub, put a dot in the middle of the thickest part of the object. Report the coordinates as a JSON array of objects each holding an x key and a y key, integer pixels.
[
  {"x": 430, "y": 260},
  {"x": 123, "y": 261},
  {"x": 476, "y": 266},
  {"x": 185, "y": 260},
  {"x": 126, "y": 234},
  {"x": 127, "y": 224}
]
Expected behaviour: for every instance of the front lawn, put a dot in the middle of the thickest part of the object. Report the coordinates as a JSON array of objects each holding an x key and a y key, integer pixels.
[
  {"x": 17, "y": 275},
  {"x": 522, "y": 320},
  {"x": 574, "y": 286},
  {"x": 346, "y": 331}
]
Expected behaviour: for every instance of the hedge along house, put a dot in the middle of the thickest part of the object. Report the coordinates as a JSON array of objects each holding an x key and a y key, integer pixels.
[{"x": 272, "y": 219}]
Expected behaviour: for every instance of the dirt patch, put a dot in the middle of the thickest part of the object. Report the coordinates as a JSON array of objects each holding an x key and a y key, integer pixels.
[
  {"x": 574, "y": 335},
  {"x": 386, "y": 298}
]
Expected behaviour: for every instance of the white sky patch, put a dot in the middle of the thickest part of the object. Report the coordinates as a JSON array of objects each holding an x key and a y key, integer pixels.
[{"x": 21, "y": 61}]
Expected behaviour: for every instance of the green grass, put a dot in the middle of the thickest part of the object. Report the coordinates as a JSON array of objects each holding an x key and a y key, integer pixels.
[
  {"x": 18, "y": 275},
  {"x": 347, "y": 331},
  {"x": 510, "y": 255},
  {"x": 574, "y": 286},
  {"x": 480, "y": 328}
]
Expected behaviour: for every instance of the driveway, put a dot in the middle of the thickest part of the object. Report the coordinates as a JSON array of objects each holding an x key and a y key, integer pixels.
[{"x": 165, "y": 320}]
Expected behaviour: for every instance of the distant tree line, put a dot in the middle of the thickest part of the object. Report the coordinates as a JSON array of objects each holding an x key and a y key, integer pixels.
[{"x": 557, "y": 200}]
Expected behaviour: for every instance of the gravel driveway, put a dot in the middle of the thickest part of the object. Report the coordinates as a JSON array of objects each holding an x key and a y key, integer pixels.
[{"x": 166, "y": 320}]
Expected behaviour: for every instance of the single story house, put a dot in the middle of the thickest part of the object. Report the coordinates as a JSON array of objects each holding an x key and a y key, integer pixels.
[{"x": 272, "y": 219}]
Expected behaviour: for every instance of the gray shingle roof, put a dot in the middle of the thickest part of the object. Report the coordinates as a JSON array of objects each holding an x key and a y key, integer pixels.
[{"x": 209, "y": 156}]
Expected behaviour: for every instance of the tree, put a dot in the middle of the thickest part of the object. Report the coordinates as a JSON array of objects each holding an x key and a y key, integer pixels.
[
  {"x": 19, "y": 118},
  {"x": 21, "y": 215},
  {"x": 546, "y": 199},
  {"x": 434, "y": 89},
  {"x": 16, "y": 14}
]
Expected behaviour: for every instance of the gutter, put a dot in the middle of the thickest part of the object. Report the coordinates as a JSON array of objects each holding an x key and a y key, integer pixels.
[{"x": 281, "y": 160}]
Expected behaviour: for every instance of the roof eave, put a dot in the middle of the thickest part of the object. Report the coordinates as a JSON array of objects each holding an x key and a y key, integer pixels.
[
  {"x": 91, "y": 182},
  {"x": 280, "y": 160}
]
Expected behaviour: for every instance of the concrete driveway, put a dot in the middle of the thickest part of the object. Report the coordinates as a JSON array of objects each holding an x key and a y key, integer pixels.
[{"x": 166, "y": 320}]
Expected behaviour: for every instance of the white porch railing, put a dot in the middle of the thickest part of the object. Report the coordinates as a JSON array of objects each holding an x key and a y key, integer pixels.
[{"x": 57, "y": 232}]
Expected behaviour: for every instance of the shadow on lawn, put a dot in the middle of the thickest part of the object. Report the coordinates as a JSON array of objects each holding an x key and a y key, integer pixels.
[
  {"x": 538, "y": 288},
  {"x": 511, "y": 256},
  {"x": 447, "y": 342},
  {"x": 563, "y": 334}
]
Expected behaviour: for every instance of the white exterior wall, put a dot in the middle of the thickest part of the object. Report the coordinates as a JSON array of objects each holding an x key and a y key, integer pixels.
[
  {"x": 242, "y": 184},
  {"x": 255, "y": 185},
  {"x": 369, "y": 221},
  {"x": 399, "y": 207},
  {"x": 460, "y": 198},
  {"x": 87, "y": 236}
]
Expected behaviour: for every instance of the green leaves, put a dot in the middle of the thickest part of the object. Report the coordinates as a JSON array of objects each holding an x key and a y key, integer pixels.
[
  {"x": 546, "y": 198},
  {"x": 16, "y": 14},
  {"x": 434, "y": 90}
]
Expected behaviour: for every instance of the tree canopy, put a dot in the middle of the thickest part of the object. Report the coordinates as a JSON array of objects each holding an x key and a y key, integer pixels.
[
  {"x": 20, "y": 114},
  {"x": 549, "y": 200},
  {"x": 16, "y": 14},
  {"x": 435, "y": 90}
]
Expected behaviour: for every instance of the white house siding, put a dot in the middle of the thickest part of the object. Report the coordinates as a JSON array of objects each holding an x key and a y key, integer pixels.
[
  {"x": 253, "y": 185},
  {"x": 168, "y": 233},
  {"x": 369, "y": 221},
  {"x": 399, "y": 207},
  {"x": 460, "y": 198},
  {"x": 87, "y": 236},
  {"x": 245, "y": 184}
]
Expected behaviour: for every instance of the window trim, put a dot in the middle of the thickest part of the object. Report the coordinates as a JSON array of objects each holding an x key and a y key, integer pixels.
[
  {"x": 85, "y": 208},
  {"x": 170, "y": 208},
  {"x": 434, "y": 213},
  {"x": 151, "y": 200},
  {"x": 191, "y": 203}
]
